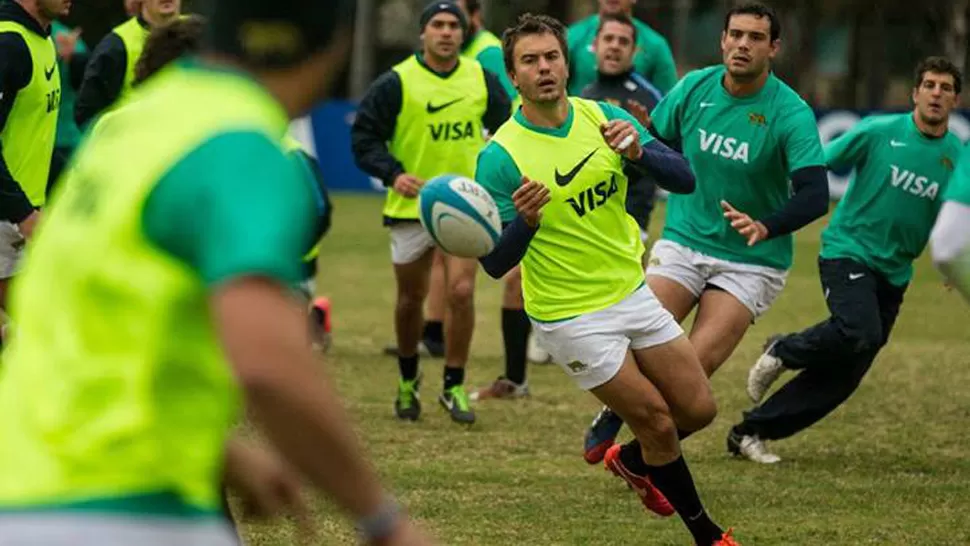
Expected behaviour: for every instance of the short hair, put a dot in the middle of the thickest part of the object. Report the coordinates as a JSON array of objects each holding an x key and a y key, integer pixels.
[
  {"x": 621, "y": 18},
  {"x": 759, "y": 10},
  {"x": 529, "y": 25},
  {"x": 940, "y": 65},
  {"x": 473, "y": 6},
  {"x": 167, "y": 43}
]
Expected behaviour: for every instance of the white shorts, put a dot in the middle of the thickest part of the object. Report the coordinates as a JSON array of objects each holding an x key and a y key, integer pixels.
[
  {"x": 755, "y": 286},
  {"x": 591, "y": 348},
  {"x": 89, "y": 530},
  {"x": 409, "y": 242},
  {"x": 11, "y": 249}
]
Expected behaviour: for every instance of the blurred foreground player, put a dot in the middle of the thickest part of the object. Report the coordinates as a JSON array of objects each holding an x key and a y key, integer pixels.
[
  {"x": 184, "y": 37},
  {"x": 115, "y": 430}
]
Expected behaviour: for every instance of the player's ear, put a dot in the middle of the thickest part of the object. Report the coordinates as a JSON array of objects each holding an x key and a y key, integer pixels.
[{"x": 775, "y": 48}]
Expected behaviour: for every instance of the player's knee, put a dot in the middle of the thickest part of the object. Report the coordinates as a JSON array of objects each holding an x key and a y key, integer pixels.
[
  {"x": 650, "y": 419},
  {"x": 700, "y": 413},
  {"x": 659, "y": 424},
  {"x": 461, "y": 292},
  {"x": 410, "y": 299},
  {"x": 863, "y": 339}
]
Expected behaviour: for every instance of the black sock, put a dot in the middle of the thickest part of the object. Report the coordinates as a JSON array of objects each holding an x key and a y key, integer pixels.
[
  {"x": 743, "y": 429},
  {"x": 408, "y": 366},
  {"x": 454, "y": 376},
  {"x": 675, "y": 482},
  {"x": 434, "y": 331},
  {"x": 515, "y": 334},
  {"x": 632, "y": 458}
]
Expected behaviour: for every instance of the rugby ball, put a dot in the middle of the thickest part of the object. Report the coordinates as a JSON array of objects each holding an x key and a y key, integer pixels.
[{"x": 460, "y": 215}]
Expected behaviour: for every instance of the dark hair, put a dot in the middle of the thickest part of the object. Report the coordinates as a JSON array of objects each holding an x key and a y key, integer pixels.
[
  {"x": 940, "y": 65},
  {"x": 617, "y": 18},
  {"x": 528, "y": 25},
  {"x": 275, "y": 34},
  {"x": 167, "y": 43},
  {"x": 473, "y": 6},
  {"x": 759, "y": 10}
]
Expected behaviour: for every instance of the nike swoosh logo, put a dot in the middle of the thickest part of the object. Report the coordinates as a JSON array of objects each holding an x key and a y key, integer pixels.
[
  {"x": 432, "y": 108},
  {"x": 706, "y": 104},
  {"x": 50, "y": 73},
  {"x": 564, "y": 179},
  {"x": 856, "y": 276},
  {"x": 896, "y": 143}
]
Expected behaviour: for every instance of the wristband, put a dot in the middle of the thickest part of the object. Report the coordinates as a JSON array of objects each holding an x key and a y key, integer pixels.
[{"x": 380, "y": 524}]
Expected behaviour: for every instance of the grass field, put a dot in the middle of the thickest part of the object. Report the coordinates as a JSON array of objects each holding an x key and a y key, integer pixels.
[{"x": 889, "y": 467}]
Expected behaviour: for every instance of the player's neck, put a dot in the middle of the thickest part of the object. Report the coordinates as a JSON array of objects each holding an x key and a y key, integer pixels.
[
  {"x": 154, "y": 21},
  {"x": 283, "y": 85},
  {"x": 33, "y": 9},
  {"x": 932, "y": 131},
  {"x": 441, "y": 65},
  {"x": 552, "y": 115},
  {"x": 744, "y": 88}
]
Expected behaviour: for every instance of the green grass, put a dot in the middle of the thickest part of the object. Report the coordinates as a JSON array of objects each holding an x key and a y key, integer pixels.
[{"x": 889, "y": 467}]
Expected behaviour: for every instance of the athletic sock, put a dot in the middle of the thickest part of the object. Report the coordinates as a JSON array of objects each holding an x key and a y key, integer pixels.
[
  {"x": 515, "y": 334},
  {"x": 675, "y": 482},
  {"x": 453, "y": 377},
  {"x": 434, "y": 331},
  {"x": 408, "y": 366}
]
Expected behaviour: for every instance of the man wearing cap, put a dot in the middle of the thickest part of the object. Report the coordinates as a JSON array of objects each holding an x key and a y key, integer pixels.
[
  {"x": 421, "y": 119},
  {"x": 127, "y": 373},
  {"x": 111, "y": 69}
]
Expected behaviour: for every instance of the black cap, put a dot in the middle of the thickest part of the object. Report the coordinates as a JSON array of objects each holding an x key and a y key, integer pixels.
[
  {"x": 275, "y": 33},
  {"x": 444, "y": 6}
]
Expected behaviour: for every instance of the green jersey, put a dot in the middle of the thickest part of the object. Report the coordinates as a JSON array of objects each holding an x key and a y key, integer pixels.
[
  {"x": 886, "y": 215},
  {"x": 486, "y": 48},
  {"x": 68, "y": 134},
  {"x": 959, "y": 187},
  {"x": 653, "y": 58},
  {"x": 742, "y": 150},
  {"x": 586, "y": 254}
]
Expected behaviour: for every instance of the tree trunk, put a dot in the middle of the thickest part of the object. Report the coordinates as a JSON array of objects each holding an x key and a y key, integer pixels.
[
  {"x": 874, "y": 57},
  {"x": 805, "y": 58},
  {"x": 681, "y": 28},
  {"x": 850, "y": 96},
  {"x": 955, "y": 41}
]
